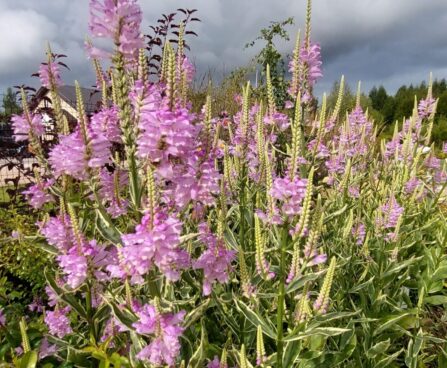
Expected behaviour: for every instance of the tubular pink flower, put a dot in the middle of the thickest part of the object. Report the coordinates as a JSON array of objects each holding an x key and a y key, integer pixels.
[
  {"x": 215, "y": 261},
  {"x": 106, "y": 122},
  {"x": 159, "y": 246},
  {"x": 22, "y": 127},
  {"x": 165, "y": 347},
  {"x": 46, "y": 71},
  {"x": 37, "y": 194},
  {"x": 74, "y": 151},
  {"x": 118, "y": 20},
  {"x": 58, "y": 323}
]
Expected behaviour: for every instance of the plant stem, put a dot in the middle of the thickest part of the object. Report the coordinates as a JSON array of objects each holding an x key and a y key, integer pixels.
[{"x": 281, "y": 297}]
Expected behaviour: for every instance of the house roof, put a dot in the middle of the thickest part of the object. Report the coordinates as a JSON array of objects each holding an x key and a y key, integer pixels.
[{"x": 90, "y": 96}]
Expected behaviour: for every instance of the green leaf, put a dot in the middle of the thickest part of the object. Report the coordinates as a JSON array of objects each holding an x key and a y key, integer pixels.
[
  {"x": 322, "y": 331},
  {"x": 42, "y": 244},
  {"x": 200, "y": 354},
  {"x": 379, "y": 348},
  {"x": 65, "y": 296},
  {"x": 389, "y": 322},
  {"x": 196, "y": 313},
  {"x": 29, "y": 360},
  {"x": 385, "y": 362},
  {"x": 255, "y": 319},
  {"x": 400, "y": 266},
  {"x": 436, "y": 299},
  {"x": 79, "y": 358},
  {"x": 301, "y": 281},
  {"x": 291, "y": 353},
  {"x": 122, "y": 314}
]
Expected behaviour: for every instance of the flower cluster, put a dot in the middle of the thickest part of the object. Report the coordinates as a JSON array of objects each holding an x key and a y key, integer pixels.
[
  {"x": 165, "y": 346},
  {"x": 215, "y": 261},
  {"x": 156, "y": 241},
  {"x": 23, "y": 126},
  {"x": 118, "y": 20}
]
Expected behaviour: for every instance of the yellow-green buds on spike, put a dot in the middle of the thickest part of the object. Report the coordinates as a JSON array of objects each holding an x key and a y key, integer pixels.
[
  {"x": 243, "y": 357},
  {"x": 128, "y": 293},
  {"x": 270, "y": 96},
  {"x": 82, "y": 118},
  {"x": 143, "y": 72},
  {"x": 75, "y": 227},
  {"x": 322, "y": 303},
  {"x": 349, "y": 224},
  {"x": 262, "y": 265},
  {"x": 269, "y": 184},
  {"x": 303, "y": 310},
  {"x": 305, "y": 213},
  {"x": 359, "y": 93},
  {"x": 151, "y": 193},
  {"x": 260, "y": 349},
  {"x": 25, "y": 340},
  {"x": 297, "y": 138},
  {"x": 170, "y": 75},
  {"x": 294, "y": 86},
  {"x": 180, "y": 49},
  {"x": 247, "y": 288},
  {"x": 339, "y": 99},
  {"x": 224, "y": 358},
  {"x": 308, "y": 23}
]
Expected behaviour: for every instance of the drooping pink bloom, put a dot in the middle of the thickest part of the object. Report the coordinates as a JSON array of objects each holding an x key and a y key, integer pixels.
[
  {"x": 290, "y": 193},
  {"x": 157, "y": 244},
  {"x": 118, "y": 20},
  {"x": 37, "y": 194},
  {"x": 106, "y": 122},
  {"x": 2, "y": 318},
  {"x": 189, "y": 69},
  {"x": 46, "y": 349},
  {"x": 22, "y": 127},
  {"x": 359, "y": 233},
  {"x": 215, "y": 261},
  {"x": 110, "y": 191},
  {"x": 49, "y": 75},
  {"x": 312, "y": 60},
  {"x": 167, "y": 138},
  {"x": 74, "y": 265},
  {"x": 58, "y": 232},
  {"x": 166, "y": 327},
  {"x": 77, "y": 159},
  {"x": 58, "y": 323},
  {"x": 215, "y": 363},
  {"x": 388, "y": 217},
  {"x": 426, "y": 107},
  {"x": 198, "y": 183}
]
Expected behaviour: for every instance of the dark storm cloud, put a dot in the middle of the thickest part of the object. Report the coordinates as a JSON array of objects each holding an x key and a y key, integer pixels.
[{"x": 376, "y": 41}]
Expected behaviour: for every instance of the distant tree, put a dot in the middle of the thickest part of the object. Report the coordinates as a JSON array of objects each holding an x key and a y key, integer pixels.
[
  {"x": 378, "y": 97},
  {"x": 10, "y": 105},
  {"x": 269, "y": 55}
]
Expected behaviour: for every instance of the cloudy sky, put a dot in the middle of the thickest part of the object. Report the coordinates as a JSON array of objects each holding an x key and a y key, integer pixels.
[{"x": 389, "y": 42}]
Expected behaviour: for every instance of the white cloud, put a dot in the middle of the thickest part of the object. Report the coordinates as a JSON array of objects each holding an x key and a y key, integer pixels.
[{"x": 24, "y": 33}]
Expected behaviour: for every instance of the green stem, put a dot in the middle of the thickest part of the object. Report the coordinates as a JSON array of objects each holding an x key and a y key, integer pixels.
[{"x": 281, "y": 297}]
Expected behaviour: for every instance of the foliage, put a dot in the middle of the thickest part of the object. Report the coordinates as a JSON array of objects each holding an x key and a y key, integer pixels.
[
  {"x": 269, "y": 55},
  {"x": 269, "y": 237}
]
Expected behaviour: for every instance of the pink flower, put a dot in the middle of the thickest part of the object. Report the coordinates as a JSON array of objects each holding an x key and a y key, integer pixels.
[
  {"x": 157, "y": 245},
  {"x": 77, "y": 159},
  {"x": 215, "y": 261},
  {"x": 58, "y": 323},
  {"x": 49, "y": 75},
  {"x": 22, "y": 127},
  {"x": 106, "y": 122},
  {"x": 165, "y": 347},
  {"x": 120, "y": 21},
  {"x": 38, "y": 195}
]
